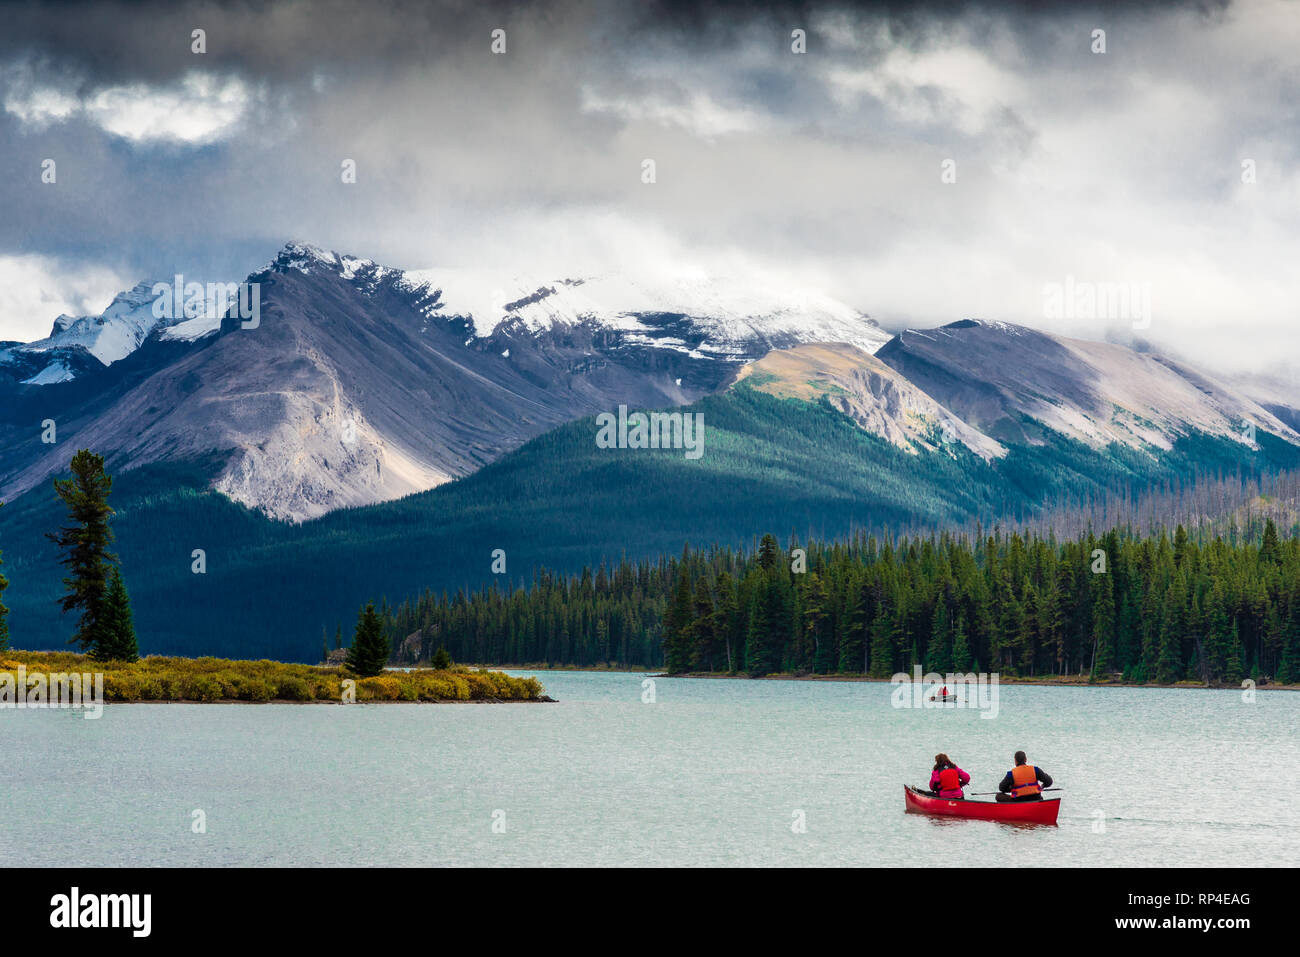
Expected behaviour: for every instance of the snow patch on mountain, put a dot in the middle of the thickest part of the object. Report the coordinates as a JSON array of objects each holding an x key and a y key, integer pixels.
[
  {"x": 728, "y": 313},
  {"x": 56, "y": 371},
  {"x": 110, "y": 336},
  {"x": 191, "y": 330}
]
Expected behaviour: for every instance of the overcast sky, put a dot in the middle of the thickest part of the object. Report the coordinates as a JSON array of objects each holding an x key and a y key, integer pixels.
[{"x": 823, "y": 167}]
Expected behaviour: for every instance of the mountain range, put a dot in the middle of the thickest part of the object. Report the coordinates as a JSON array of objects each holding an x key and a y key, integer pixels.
[
  {"x": 364, "y": 383},
  {"x": 378, "y": 432}
]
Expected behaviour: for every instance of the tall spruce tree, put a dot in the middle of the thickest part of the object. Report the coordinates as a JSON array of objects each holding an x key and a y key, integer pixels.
[
  {"x": 677, "y": 627},
  {"x": 369, "y": 651},
  {"x": 938, "y": 655},
  {"x": 703, "y": 629},
  {"x": 727, "y": 629},
  {"x": 961, "y": 655},
  {"x": 1288, "y": 670},
  {"x": 855, "y": 639},
  {"x": 119, "y": 643},
  {"x": 1103, "y": 628},
  {"x": 882, "y": 644},
  {"x": 85, "y": 542},
  {"x": 816, "y": 613}
]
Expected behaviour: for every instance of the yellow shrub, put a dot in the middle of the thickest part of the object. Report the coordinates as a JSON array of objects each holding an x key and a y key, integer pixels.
[
  {"x": 201, "y": 687},
  {"x": 293, "y": 688},
  {"x": 163, "y": 678},
  {"x": 379, "y": 688}
]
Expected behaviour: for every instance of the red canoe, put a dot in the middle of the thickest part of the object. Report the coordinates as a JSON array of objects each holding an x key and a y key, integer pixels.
[{"x": 1012, "y": 812}]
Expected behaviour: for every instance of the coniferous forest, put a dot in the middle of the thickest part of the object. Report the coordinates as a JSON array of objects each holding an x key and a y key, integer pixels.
[{"x": 1118, "y": 606}]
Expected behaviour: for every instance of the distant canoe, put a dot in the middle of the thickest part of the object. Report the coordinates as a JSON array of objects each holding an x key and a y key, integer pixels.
[
  {"x": 1011, "y": 812},
  {"x": 951, "y": 697}
]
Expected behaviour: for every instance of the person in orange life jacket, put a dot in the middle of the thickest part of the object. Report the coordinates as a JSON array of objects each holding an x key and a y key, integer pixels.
[
  {"x": 947, "y": 780},
  {"x": 1024, "y": 782}
]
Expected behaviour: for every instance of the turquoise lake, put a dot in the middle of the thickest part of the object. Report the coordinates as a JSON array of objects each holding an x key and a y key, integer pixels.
[{"x": 713, "y": 772}]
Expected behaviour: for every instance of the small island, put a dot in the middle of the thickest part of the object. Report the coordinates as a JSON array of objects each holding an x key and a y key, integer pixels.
[{"x": 217, "y": 680}]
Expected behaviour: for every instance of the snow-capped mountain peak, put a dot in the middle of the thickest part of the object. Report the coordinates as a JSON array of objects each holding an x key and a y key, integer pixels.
[
  {"x": 725, "y": 311},
  {"x": 717, "y": 315},
  {"x": 75, "y": 343},
  {"x": 113, "y": 334}
]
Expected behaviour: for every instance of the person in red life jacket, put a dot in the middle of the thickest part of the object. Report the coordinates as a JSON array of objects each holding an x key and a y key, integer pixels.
[
  {"x": 1024, "y": 782},
  {"x": 947, "y": 780}
]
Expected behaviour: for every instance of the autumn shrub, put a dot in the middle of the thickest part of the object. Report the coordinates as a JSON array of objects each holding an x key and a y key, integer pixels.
[
  {"x": 293, "y": 688},
  {"x": 201, "y": 687},
  {"x": 378, "y": 688},
  {"x": 164, "y": 678}
]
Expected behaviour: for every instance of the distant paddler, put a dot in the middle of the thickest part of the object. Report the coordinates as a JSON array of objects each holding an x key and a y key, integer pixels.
[{"x": 943, "y": 695}]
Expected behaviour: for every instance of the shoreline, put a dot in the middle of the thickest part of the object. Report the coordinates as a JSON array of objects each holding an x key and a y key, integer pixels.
[
  {"x": 321, "y": 701},
  {"x": 1043, "y": 682},
  {"x": 1053, "y": 681},
  {"x": 39, "y": 676}
]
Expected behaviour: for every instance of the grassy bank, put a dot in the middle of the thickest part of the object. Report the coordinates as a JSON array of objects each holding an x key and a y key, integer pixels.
[{"x": 159, "y": 678}]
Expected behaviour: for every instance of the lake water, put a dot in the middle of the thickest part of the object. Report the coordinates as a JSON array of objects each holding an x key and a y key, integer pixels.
[{"x": 711, "y": 773}]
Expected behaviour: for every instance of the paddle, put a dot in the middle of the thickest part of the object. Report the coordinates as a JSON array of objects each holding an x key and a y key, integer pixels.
[{"x": 986, "y": 793}]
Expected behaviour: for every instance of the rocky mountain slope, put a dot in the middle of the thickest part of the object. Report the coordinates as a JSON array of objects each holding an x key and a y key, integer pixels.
[
  {"x": 1013, "y": 383},
  {"x": 362, "y": 383}
]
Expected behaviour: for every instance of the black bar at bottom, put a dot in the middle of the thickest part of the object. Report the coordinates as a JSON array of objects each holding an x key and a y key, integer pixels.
[{"x": 328, "y": 906}]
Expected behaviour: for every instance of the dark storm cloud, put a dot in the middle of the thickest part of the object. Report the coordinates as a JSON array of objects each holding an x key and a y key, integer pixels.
[
  {"x": 119, "y": 42},
  {"x": 826, "y": 165}
]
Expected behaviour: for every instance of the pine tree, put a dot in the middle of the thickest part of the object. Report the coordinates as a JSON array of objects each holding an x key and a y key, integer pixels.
[
  {"x": 369, "y": 651},
  {"x": 1270, "y": 551},
  {"x": 1103, "y": 628},
  {"x": 1219, "y": 630},
  {"x": 441, "y": 659},
  {"x": 882, "y": 645},
  {"x": 727, "y": 613},
  {"x": 853, "y": 643},
  {"x": 85, "y": 544},
  {"x": 119, "y": 643},
  {"x": 939, "y": 653},
  {"x": 1049, "y": 621},
  {"x": 961, "y": 659},
  {"x": 1288, "y": 671},
  {"x": 816, "y": 615},
  {"x": 703, "y": 628},
  {"x": 677, "y": 627},
  {"x": 769, "y": 624}
]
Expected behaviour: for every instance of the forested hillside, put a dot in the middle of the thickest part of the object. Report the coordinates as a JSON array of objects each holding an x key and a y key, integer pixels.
[
  {"x": 559, "y": 502},
  {"x": 1163, "y": 609}
]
